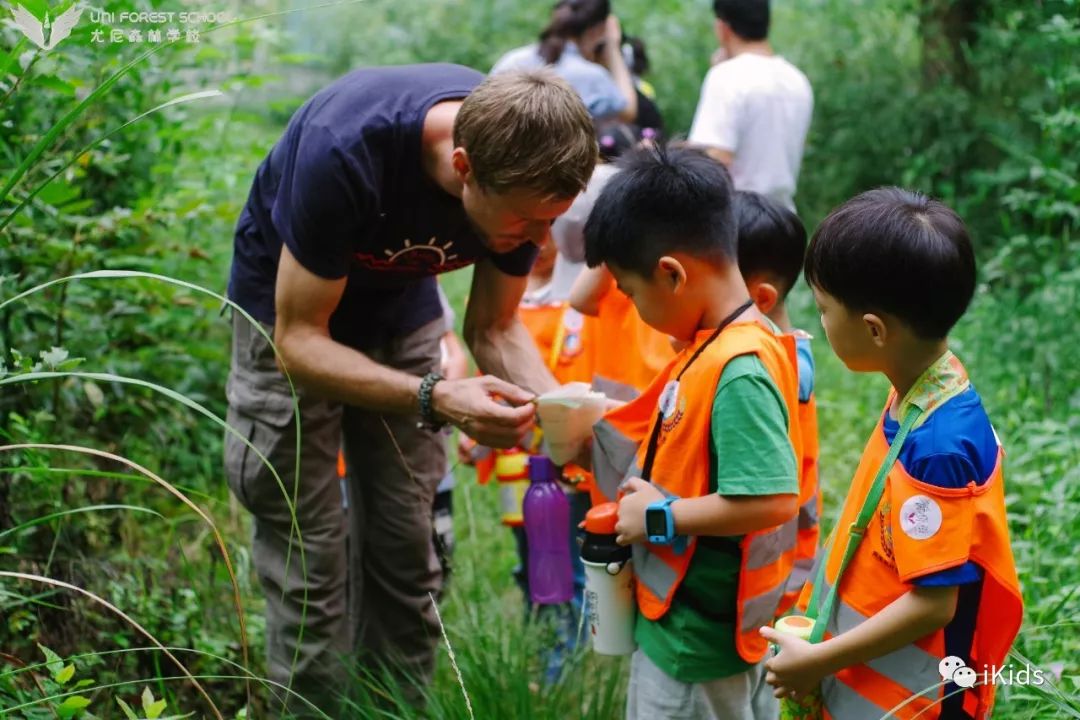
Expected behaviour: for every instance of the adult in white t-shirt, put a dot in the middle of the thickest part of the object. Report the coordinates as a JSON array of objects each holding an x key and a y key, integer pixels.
[{"x": 755, "y": 106}]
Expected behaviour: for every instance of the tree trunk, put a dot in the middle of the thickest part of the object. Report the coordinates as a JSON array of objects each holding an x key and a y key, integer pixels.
[{"x": 948, "y": 28}]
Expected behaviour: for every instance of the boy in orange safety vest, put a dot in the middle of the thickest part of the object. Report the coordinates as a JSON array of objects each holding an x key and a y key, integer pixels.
[
  {"x": 706, "y": 455},
  {"x": 772, "y": 244},
  {"x": 916, "y": 595}
]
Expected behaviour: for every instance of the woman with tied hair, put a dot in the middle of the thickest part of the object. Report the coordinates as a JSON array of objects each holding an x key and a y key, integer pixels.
[{"x": 582, "y": 43}]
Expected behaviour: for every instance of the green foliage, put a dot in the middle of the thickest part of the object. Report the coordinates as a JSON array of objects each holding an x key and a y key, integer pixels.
[{"x": 995, "y": 135}]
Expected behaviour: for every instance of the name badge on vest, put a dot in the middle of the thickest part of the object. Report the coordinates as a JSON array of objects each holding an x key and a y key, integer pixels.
[
  {"x": 920, "y": 517},
  {"x": 669, "y": 399},
  {"x": 671, "y": 409},
  {"x": 573, "y": 322}
]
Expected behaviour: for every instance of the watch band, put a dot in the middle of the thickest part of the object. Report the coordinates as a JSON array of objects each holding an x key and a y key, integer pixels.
[
  {"x": 664, "y": 506},
  {"x": 427, "y": 406}
]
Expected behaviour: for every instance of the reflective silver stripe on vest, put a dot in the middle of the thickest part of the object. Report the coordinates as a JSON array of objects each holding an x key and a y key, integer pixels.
[
  {"x": 802, "y": 572},
  {"x": 843, "y": 703},
  {"x": 808, "y": 516},
  {"x": 613, "y": 456},
  {"x": 614, "y": 389},
  {"x": 766, "y": 548},
  {"x": 652, "y": 572},
  {"x": 760, "y": 609},
  {"x": 910, "y": 667},
  {"x": 658, "y": 577}
]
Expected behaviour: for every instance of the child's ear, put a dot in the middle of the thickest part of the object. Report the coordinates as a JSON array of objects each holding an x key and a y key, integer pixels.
[
  {"x": 765, "y": 296},
  {"x": 876, "y": 328},
  {"x": 671, "y": 272},
  {"x": 462, "y": 166}
]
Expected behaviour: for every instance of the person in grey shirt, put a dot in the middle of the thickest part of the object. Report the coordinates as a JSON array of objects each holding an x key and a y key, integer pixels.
[{"x": 582, "y": 44}]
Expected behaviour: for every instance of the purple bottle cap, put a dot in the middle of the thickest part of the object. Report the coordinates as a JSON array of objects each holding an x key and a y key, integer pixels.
[{"x": 541, "y": 469}]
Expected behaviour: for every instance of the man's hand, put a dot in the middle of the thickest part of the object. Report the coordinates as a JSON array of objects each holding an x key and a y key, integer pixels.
[
  {"x": 796, "y": 670},
  {"x": 631, "y": 525},
  {"x": 468, "y": 405}
]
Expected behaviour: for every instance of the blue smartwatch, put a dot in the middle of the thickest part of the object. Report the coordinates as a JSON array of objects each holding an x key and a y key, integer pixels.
[{"x": 659, "y": 522}]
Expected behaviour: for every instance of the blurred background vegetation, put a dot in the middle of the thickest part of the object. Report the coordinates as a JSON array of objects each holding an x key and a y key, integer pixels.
[{"x": 974, "y": 101}]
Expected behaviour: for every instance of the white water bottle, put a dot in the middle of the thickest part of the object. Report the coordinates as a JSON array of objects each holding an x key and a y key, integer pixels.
[{"x": 609, "y": 584}]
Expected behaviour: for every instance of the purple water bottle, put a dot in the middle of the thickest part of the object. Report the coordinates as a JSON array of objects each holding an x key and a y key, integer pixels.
[{"x": 547, "y": 522}]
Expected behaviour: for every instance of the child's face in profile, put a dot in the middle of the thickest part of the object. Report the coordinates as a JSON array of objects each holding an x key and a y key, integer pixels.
[
  {"x": 849, "y": 334},
  {"x": 656, "y": 301}
]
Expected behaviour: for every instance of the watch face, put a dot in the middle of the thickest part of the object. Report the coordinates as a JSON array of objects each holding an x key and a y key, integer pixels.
[{"x": 655, "y": 523}]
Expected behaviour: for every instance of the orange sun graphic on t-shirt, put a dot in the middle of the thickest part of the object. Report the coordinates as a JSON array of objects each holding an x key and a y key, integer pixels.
[{"x": 431, "y": 246}]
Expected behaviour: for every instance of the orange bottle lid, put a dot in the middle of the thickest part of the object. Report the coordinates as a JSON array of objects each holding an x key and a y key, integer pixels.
[{"x": 600, "y": 520}]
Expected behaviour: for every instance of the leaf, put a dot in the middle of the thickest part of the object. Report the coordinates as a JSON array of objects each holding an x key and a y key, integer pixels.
[
  {"x": 155, "y": 710},
  {"x": 54, "y": 83},
  {"x": 152, "y": 708},
  {"x": 52, "y": 660},
  {"x": 52, "y": 358},
  {"x": 72, "y": 706},
  {"x": 65, "y": 675},
  {"x": 94, "y": 394},
  {"x": 128, "y": 712}
]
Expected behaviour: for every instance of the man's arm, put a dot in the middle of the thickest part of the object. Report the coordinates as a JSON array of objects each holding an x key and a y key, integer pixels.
[
  {"x": 499, "y": 342},
  {"x": 304, "y": 303},
  {"x": 715, "y": 125}
]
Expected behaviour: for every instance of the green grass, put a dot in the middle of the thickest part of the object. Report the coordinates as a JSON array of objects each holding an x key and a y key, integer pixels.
[{"x": 163, "y": 195}]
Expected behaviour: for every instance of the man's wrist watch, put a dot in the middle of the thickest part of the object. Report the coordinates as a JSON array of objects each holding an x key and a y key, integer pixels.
[
  {"x": 428, "y": 421},
  {"x": 660, "y": 522}
]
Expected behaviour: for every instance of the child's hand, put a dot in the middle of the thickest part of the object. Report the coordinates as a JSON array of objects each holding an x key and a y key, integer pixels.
[
  {"x": 631, "y": 525},
  {"x": 796, "y": 670}
]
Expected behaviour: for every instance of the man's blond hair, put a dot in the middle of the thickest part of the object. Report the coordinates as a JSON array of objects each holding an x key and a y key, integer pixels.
[{"x": 527, "y": 130}]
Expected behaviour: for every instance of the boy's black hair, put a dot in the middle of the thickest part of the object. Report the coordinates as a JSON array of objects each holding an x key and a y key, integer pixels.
[
  {"x": 749, "y": 19},
  {"x": 772, "y": 239},
  {"x": 896, "y": 251},
  {"x": 663, "y": 200}
]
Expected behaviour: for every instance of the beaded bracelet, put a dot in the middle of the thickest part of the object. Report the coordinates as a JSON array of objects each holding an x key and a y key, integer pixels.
[{"x": 427, "y": 406}]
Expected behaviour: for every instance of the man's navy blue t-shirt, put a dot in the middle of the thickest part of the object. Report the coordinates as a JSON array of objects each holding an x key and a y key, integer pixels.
[{"x": 344, "y": 189}]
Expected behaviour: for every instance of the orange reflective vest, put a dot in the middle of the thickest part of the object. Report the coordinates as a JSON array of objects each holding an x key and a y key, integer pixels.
[
  {"x": 633, "y": 353},
  {"x": 809, "y": 503},
  {"x": 681, "y": 467},
  {"x": 918, "y": 528}
]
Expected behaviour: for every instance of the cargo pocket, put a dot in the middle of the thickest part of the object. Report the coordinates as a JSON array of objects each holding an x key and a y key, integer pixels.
[
  {"x": 236, "y": 452},
  {"x": 249, "y": 477}
]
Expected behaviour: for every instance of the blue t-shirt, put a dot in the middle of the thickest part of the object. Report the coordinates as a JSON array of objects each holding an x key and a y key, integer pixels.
[
  {"x": 805, "y": 357},
  {"x": 592, "y": 81},
  {"x": 956, "y": 445},
  {"x": 344, "y": 189}
]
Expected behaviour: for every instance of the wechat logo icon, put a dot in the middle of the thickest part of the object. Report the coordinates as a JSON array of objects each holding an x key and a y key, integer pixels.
[{"x": 956, "y": 670}]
